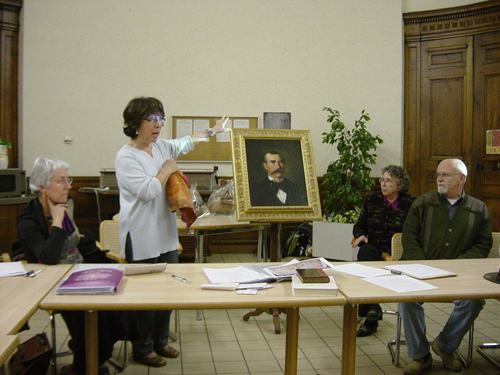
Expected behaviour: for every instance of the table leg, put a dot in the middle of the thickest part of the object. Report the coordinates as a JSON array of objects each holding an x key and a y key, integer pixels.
[
  {"x": 198, "y": 251},
  {"x": 292, "y": 340},
  {"x": 349, "y": 339},
  {"x": 91, "y": 333}
]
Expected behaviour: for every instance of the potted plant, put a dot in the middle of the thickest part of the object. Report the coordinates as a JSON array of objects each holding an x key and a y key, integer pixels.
[{"x": 345, "y": 183}]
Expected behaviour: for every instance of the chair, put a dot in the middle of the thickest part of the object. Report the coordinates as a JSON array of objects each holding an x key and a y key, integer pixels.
[
  {"x": 395, "y": 345},
  {"x": 481, "y": 349}
]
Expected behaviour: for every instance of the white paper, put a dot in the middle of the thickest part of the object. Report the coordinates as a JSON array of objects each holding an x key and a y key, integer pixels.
[
  {"x": 183, "y": 127},
  {"x": 400, "y": 284},
  {"x": 361, "y": 270},
  {"x": 241, "y": 124},
  {"x": 241, "y": 274},
  {"x": 12, "y": 269},
  {"x": 420, "y": 271}
]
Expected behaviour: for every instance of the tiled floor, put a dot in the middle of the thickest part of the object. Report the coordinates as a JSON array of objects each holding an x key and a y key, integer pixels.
[{"x": 222, "y": 343}]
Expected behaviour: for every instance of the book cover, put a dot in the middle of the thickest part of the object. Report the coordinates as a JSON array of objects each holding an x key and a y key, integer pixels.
[
  {"x": 91, "y": 281},
  {"x": 312, "y": 275},
  {"x": 314, "y": 289}
]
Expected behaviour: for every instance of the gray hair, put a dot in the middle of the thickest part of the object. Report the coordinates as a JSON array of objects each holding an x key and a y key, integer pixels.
[
  {"x": 43, "y": 169},
  {"x": 399, "y": 173}
]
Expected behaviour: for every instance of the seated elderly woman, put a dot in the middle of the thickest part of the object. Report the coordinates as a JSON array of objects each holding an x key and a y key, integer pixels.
[
  {"x": 47, "y": 234},
  {"x": 382, "y": 215}
]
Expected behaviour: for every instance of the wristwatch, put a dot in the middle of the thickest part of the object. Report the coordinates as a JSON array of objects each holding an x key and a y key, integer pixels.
[{"x": 210, "y": 132}]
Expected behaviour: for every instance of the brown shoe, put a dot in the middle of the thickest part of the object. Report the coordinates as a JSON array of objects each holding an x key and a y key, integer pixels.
[
  {"x": 450, "y": 362},
  {"x": 155, "y": 361},
  {"x": 167, "y": 351},
  {"x": 417, "y": 366}
]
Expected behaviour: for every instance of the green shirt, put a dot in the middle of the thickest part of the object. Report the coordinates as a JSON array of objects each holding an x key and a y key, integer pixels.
[{"x": 429, "y": 233}]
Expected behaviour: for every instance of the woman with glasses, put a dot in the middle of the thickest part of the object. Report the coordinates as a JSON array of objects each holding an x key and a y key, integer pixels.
[
  {"x": 382, "y": 215},
  {"x": 47, "y": 234},
  {"x": 148, "y": 229}
]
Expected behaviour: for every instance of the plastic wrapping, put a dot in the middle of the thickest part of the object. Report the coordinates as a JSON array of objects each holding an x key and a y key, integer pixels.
[
  {"x": 200, "y": 207},
  {"x": 221, "y": 201}
]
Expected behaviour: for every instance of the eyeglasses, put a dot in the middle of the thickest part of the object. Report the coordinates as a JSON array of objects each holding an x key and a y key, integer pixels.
[
  {"x": 151, "y": 119},
  {"x": 64, "y": 181},
  {"x": 386, "y": 180},
  {"x": 445, "y": 175}
]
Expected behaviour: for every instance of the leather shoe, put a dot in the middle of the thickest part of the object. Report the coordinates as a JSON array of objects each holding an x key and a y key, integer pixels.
[
  {"x": 449, "y": 360},
  {"x": 417, "y": 366},
  {"x": 167, "y": 351},
  {"x": 374, "y": 315},
  {"x": 155, "y": 361},
  {"x": 367, "y": 328}
]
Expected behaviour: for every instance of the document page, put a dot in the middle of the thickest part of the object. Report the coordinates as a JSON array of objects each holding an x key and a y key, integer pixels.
[
  {"x": 11, "y": 269},
  {"x": 420, "y": 271},
  {"x": 361, "y": 270},
  {"x": 241, "y": 274},
  {"x": 400, "y": 284}
]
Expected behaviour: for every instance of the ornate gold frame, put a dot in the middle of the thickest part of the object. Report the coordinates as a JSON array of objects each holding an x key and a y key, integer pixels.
[{"x": 244, "y": 210}]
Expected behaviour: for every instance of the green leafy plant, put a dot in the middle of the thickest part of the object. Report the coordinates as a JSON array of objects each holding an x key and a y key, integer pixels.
[{"x": 347, "y": 179}]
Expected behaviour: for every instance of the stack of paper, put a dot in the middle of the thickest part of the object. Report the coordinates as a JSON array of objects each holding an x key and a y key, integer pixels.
[
  {"x": 12, "y": 269},
  {"x": 314, "y": 289}
]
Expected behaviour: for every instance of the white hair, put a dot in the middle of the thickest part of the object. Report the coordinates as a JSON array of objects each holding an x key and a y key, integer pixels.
[
  {"x": 459, "y": 166},
  {"x": 43, "y": 169}
]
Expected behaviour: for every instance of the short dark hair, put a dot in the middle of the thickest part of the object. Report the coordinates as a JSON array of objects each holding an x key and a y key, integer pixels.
[
  {"x": 137, "y": 110},
  {"x": 272, "y": 152},
  {"x": 401, "y": 176}
]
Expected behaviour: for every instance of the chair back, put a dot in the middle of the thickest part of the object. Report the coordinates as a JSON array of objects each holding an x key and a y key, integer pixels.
[
  {"x": 109, "y": 236},
  {"x": 396, "y": 246},
  {"x": 495, "y": 248}
]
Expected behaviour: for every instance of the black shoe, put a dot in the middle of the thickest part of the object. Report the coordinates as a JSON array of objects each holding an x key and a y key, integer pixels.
[
  {"x": 374, "y": 315},
  {"x": 367, "y": 329}
]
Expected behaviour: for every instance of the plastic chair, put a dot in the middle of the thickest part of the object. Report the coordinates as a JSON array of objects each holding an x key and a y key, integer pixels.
[{"x": 395, "y": 345}]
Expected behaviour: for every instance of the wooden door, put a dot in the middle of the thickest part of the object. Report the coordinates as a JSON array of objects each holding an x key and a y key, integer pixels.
[{"x": 486, "y": 167}]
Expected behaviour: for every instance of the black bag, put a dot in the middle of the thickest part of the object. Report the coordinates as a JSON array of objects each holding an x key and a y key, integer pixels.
[
  {"x": 32, "y": 356},
  {"x": 298, "y": 242}
]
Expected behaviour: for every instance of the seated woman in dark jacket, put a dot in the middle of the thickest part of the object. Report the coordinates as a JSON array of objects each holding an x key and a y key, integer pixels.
[
  {"x": 48, "y": 235},
  {"x": 382, "y": 215}
]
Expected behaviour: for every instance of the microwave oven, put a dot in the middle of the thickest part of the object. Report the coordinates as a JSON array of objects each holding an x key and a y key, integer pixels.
[{"x": 13, "y": 183}]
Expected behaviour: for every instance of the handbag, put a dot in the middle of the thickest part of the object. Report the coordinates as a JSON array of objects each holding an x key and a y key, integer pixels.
[{"x": 32, "y": 357}]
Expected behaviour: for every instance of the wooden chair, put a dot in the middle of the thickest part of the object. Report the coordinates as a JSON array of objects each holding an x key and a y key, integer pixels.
[{"x": 395, "y": 345}]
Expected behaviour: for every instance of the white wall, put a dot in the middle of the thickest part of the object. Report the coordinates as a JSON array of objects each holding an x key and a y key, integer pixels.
[{"x": 82, "y": 61}]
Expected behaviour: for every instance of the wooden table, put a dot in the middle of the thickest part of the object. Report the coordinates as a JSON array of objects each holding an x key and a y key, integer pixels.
[
  {"x": 166, "y": 293},
  {"x": 217, "y": 224},
  {"x": 468, "y": 284},
  {"x": 20, "y": 297}
]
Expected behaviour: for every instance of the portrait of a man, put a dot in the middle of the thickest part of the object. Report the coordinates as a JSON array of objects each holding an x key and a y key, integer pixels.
[{"x": 274, "y": 181}]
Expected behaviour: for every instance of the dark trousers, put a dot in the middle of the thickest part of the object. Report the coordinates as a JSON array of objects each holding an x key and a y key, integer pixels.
[
  {"x": 150, "y": 329},
  {"x": 368, "y": 253},
  {"x": 111, "y": 328}
]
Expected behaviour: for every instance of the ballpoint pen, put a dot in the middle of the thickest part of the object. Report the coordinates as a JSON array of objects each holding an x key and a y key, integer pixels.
[
  {"x": 396, "y": 272},
  {"x": 33, "y": 274},
  {"x": 29, "y": 273},
  {"x": 181, "y": 279}
]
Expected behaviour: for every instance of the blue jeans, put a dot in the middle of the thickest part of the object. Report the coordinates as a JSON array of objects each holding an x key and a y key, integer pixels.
[{"x": 461, "y": 318}]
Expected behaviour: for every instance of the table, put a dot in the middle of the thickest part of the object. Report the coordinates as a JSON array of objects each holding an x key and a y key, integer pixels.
[
  {"x": 468, "y": 284},
  {"x": 171, "y": 294},
  {"x": 20, "y": 297},
  {"x": 217, "y": 224}
]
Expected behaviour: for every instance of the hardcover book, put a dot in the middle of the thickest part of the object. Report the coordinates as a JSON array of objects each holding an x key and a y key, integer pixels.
[
  {"x": 314, "y": 289},
  {"x": 312, "y": 275},
  {"x": 91, "y": 281}
]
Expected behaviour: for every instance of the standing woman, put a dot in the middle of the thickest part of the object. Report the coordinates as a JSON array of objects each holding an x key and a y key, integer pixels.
[
  {"x": 382, "y": 215},
  {"x": 148, "y": 229}
]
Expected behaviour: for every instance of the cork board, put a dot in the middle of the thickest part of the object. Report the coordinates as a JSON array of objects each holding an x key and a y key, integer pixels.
[{"x": 218, "y": 147}]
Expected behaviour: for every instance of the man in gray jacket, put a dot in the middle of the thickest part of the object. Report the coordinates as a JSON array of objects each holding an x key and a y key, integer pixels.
[{"x": 447, "y": 224}]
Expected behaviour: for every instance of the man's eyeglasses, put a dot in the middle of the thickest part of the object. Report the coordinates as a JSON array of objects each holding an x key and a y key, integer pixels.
[
  {"x": 445, "y": 175},
  {"x": 386, "y": 180},
  {"x": 151, "y": 119},
  {"x": 64, "y": 181}
]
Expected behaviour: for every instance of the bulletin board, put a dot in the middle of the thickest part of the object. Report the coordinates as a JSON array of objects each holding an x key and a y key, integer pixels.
[{"x": 218, "y": 147}]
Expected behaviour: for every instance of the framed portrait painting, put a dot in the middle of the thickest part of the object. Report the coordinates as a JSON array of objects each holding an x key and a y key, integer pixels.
[{"x": 274, "y": 175}]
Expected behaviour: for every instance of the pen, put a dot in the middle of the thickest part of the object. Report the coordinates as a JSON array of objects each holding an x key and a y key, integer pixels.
[
  {"x": 181, "y": 279},
  {"x": 29, "y": 273},
  {"x": 396, "y": 272},
  {"x": 33, "y": 274}
]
